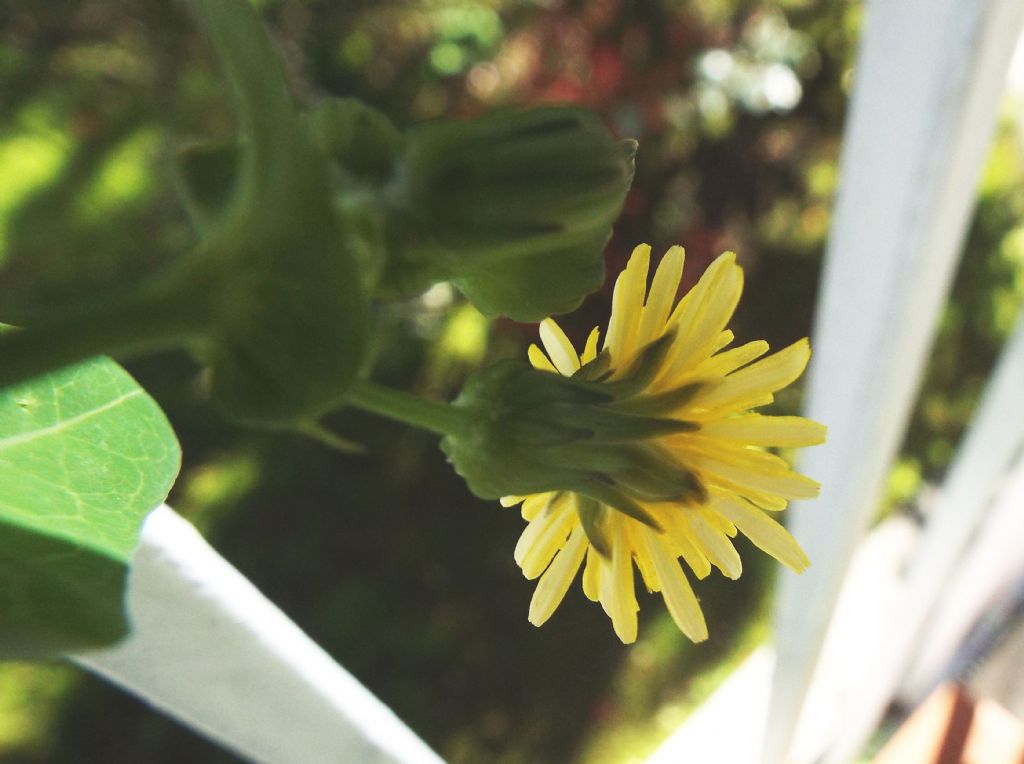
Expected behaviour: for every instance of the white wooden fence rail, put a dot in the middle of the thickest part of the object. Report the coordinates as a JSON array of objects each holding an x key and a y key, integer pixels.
[
  {"x": 211, "y": 651},
  {"x": 929, "y": 77},
  {"x": 990, "y": 447},
  {"x": 989, "y": 570}
]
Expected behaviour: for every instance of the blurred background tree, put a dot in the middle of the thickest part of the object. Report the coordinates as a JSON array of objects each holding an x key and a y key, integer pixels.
[{"x": 385, "y": 558}]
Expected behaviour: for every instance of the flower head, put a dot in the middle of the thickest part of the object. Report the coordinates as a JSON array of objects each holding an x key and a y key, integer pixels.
[{"x": 670, "y": 462}]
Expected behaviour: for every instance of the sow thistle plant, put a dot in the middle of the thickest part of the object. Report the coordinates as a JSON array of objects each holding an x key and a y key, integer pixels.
[{"x": 642, "y": 451}]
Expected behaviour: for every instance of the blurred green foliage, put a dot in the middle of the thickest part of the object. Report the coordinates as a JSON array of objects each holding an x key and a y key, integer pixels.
[{"x": 386, "y": 559}]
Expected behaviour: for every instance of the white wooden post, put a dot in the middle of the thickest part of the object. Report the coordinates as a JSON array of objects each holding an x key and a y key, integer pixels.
[
  {"x": 211, "y": 651},
  {"x": 988, "y": 569},
  {"x": 993, "y": 440},
  {"x": 929, "y": 77}
]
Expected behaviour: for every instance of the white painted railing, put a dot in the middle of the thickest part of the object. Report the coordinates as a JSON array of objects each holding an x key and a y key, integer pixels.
[
  {"x": 930, "y": 75},
  {"x": 990, "y": 447},
  {"x": 211, "y": 651}
]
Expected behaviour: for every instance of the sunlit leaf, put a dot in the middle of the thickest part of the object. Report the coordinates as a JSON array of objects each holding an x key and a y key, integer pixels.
[{"x": 85, "y": 454}]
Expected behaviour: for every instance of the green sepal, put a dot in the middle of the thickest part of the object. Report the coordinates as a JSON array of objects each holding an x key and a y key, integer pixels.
[
  {"x": 508, "y": 448},
  {"x": 617, "y": 500},
  {"x": 643, "y": 369},
  {"x": 611, "y": 425},
  {"x": 514, "y": 207},
  {"x": 656, "y": 477},
  {"x": 660, "y": 403},
  {"x": 595, "y": 371},
  {"x": 593, "y": 518},
  {"x": 529, "y": 431}
]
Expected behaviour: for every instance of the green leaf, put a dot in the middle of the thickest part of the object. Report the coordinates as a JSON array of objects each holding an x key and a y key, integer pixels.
[{"x": 85, "y": 454}]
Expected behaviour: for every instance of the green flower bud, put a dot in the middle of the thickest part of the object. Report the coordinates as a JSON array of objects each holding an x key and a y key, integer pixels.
[
  {"x": 515, "y": 207},
  {"x": 511, "y": 182}
]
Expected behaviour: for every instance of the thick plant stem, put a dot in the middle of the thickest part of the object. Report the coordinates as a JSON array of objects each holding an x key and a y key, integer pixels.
[
  {"x": 147, "y": 319},
  {"x": 440, "y": 418}
]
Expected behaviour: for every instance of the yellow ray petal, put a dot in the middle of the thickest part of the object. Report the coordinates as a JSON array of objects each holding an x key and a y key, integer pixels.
[
  {"x": 766, "y": 502},
  {"x": 541, "y": 527},
  {"x": 719, "y": 523},
  {"x": 730, "y": 360},
  {"x": 547, "y": 544},
  {"x": 645, "y": 565},
  {"x": 754, "y": 381},
  {"x": 719, "y": 298},
  {"x": 724, "y": 338},
  {"x": 679, "y": 597},
  {"x": 677, "y": 540},
  {"x": 663, "y": 293},
  {"x": 768, "y": 431},
  {"x": 617, "y": 593},
  {"x": 560, "y": 350},
  {"x": 535, "y": 502},
  {"x": 510, "y": 501},
  {"x": 590, "y": 349},
  {"x": 592, "y": 576},
  {"x": 540, "y": 361},
  {"x": 765, "y": 533},
  {"x": 699, "y": 564},
  {"x": 714, "y": 544},
  {"x": 751, "y": 469},
  {"x": 557, "y": 578},
  {"x": 690, "y": 310},
  {"x": 769, "y": 502},
  {"x": 627, "y": 300}
]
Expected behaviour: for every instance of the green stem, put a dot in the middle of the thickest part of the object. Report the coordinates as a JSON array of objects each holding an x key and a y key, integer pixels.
[
  {"x": 149, "y": 318},
  {"x": 252, "y": 65},
  {"x": 441, "y": 418}
]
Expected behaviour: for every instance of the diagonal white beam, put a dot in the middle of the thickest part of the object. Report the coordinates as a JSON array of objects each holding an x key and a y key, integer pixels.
[
  {"x": 741, "y": 702},
  {"x": 929, "y": 77},
  {"x": 993, "y": 441},
  {"x": 211, "y": 651},
  {"x": 987, "y": 573}
]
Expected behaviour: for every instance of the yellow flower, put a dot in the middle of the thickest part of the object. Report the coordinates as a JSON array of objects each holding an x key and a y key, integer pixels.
[{"x": 736, "y": 482}]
